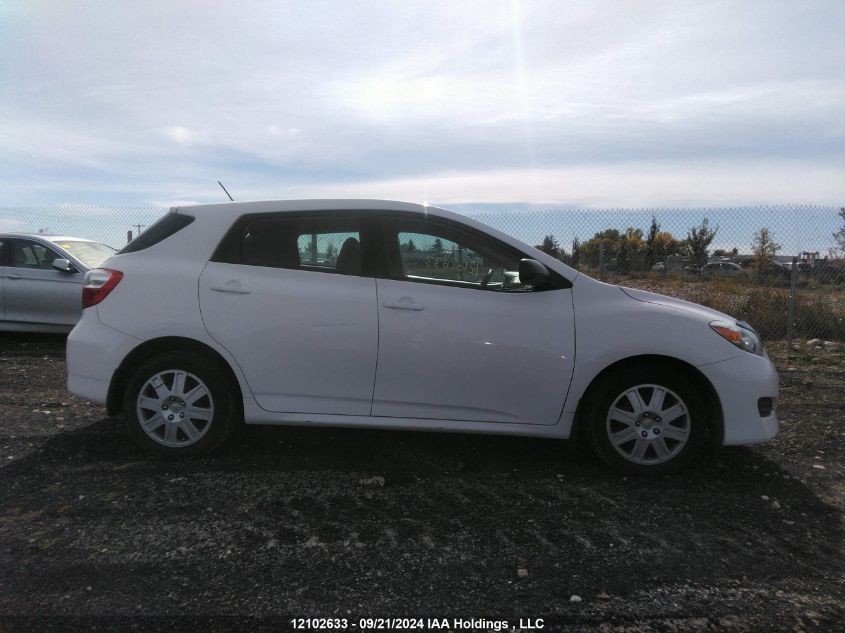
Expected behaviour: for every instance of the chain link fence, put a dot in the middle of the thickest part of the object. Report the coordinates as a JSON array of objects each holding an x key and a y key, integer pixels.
[{"x": 780, "y": 268}]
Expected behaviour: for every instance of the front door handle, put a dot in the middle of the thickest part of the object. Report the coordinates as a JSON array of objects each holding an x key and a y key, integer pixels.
[
  {"x": 405, "y": 303},
  {"x": 233, "y": 286},
  {"x": 13, "y": 276}
]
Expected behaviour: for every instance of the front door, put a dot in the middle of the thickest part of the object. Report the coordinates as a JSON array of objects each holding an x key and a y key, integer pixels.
[
  {"x": 460, "y": 337},
  {"x": 34, "y": 291},
  {"x": 291, "y": 298}
]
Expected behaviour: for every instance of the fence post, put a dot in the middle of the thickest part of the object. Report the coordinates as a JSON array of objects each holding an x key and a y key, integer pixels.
[
  {"x": 790, "y": 326},
  {"x": 601, "y": 260}
]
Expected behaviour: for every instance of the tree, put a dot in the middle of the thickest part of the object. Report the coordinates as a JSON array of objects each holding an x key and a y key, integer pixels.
[
  {"x": 634, "y": 234},
  {"x": 764, "y": 246},
  {"x": 631, "y": 251},
  {"x": 624, "y": 249},
  {"x": 839, "y": 237},
  {"x": 438, "y": 246},
  {"x": 576, "y": 253},
  {"x": 653, "y": 232},
  {"x": 698, "y": 242},
  {"x": 408, "y": 247},
  {"x": 550, "y": 246},
  {"x": 623, "y": 263},
  {"x": 330, "y": 250},
  {"x": 665, "y": 245},
  {"x": 590, "y": 251}
]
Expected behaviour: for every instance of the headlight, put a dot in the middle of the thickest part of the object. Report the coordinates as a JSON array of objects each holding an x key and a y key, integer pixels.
[{"x": 742, "y": 337}]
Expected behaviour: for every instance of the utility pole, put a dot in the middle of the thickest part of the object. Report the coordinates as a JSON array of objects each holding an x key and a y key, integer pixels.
[
  {"x": 790, "y": 323},
  {"x": 139, "y": 227}
]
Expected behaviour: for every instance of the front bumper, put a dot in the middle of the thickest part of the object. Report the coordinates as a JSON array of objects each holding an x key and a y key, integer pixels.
[{"x": 740, "y": 382}]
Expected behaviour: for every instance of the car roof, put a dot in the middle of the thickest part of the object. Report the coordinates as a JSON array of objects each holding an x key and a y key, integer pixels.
[{"x": 315, "y": 204}]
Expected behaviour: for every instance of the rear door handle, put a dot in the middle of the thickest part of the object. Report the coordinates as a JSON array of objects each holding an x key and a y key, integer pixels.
[
  {"x": 234, "y": 286},
  {"x": 13, "y": 276},
  {"x": 405, "y": 303}
]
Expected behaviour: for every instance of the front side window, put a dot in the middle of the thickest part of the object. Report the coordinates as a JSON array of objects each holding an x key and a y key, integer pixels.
[
  {"x": 316, "y": 243},
  {"x": 431, "y": 252},
  {"x": 28, "y": 254}
]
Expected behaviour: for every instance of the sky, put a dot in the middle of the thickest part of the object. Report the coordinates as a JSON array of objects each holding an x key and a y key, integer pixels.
[{"x": 466, "y": 105}]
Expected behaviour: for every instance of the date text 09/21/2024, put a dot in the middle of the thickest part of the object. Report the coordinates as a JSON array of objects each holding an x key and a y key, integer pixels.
[{"x": 411, "y": 624}]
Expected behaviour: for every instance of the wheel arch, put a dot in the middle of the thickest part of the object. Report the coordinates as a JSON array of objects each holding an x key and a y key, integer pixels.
[
  {"x": 715, "y": 415},
  {"x": 154, "y": 347}
]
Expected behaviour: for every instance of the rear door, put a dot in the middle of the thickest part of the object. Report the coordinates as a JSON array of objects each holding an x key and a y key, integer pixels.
[
  {"x": 34, "y": 291},
  {"x": 292, "y": 299}
]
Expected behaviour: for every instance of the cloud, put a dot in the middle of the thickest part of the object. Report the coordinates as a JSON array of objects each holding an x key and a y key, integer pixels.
[
  {"x": 180, "y": 134},
  {"x": 123, "y": 100},
  {"x": 628, "y": 185},
  {"x": 169, "y": 204},
  {"x": 11, "y": 224}
]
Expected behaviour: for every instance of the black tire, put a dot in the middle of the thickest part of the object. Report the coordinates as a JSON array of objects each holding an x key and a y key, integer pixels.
[
  {"x": 607, "y": 393},
  {"x": 221, "y": 394}
]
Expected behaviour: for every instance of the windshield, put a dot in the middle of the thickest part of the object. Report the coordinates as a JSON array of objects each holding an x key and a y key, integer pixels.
[{"x": 92, "y": 254}]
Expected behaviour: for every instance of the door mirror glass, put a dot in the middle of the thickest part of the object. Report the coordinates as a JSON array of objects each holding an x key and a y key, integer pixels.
[
  {"x": 64, "y": 265},
  {"x": 532, "y": 273}
]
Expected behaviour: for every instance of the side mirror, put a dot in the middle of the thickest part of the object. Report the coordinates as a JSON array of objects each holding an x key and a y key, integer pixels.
[
  {"x": 64, "y": 265},
  {"x": 532, "y": 273}
]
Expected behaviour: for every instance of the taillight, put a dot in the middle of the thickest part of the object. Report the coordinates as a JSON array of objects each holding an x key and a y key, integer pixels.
[{"x": 97, "y": 284}]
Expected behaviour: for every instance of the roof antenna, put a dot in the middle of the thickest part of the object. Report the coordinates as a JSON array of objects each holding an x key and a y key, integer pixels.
[{"x": 224, "y": 189}]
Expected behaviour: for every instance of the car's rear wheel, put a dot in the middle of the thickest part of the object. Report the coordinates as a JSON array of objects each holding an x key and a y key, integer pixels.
[
  {"x": 646, "y": 419},
  {"x": 179, "y": 404}
]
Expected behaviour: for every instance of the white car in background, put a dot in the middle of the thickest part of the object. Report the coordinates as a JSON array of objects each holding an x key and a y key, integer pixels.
[
  {"x": 41, "y": 280},
  {"x": 366, "y": 313}
]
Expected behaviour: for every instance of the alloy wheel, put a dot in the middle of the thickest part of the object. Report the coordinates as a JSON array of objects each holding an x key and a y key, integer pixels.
[
  {"x": 648, "y": 424},
  {"x": 175, "y": 408}
]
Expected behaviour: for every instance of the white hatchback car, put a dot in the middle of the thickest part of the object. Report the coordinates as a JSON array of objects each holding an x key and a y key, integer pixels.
[{"x": 382, "y": 314}]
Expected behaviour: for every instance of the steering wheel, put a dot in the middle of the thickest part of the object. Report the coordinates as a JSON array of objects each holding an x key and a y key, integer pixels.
[{"x": 488, "y": 277}]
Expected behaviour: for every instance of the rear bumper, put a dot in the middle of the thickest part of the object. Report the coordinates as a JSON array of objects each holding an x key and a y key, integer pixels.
[
  {"x": 94, "y": 352},
  {"x": 740, "y": 383}
]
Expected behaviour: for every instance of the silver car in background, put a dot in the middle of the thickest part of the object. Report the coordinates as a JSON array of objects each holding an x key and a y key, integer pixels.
[
  {"x": 41, "y": 280},
  {"x": 723, "y": 269}
]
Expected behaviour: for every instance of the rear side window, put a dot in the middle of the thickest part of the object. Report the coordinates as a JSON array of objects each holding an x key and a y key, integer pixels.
[
  {"x": 160, "y": 230},
  {"x": 328, "y": 244}
]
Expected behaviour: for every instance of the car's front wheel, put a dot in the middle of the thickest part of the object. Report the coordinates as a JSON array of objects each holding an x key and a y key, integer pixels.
[
  {"x": 179, "y": 404},
  {"x": 646, "y": 419}
]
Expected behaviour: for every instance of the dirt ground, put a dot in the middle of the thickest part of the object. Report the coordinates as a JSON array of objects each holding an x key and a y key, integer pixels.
[{"x": 278, "y": 524}]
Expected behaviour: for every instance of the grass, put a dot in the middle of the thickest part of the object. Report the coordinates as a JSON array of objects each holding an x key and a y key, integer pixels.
[{"x": 819, "y": 309}]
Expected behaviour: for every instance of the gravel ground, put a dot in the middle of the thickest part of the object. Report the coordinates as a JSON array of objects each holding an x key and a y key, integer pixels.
[{"x": 288, "y": 522}]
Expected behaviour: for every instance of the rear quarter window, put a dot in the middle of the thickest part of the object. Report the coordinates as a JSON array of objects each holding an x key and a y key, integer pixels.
[{"x": 160, "y": 230}]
